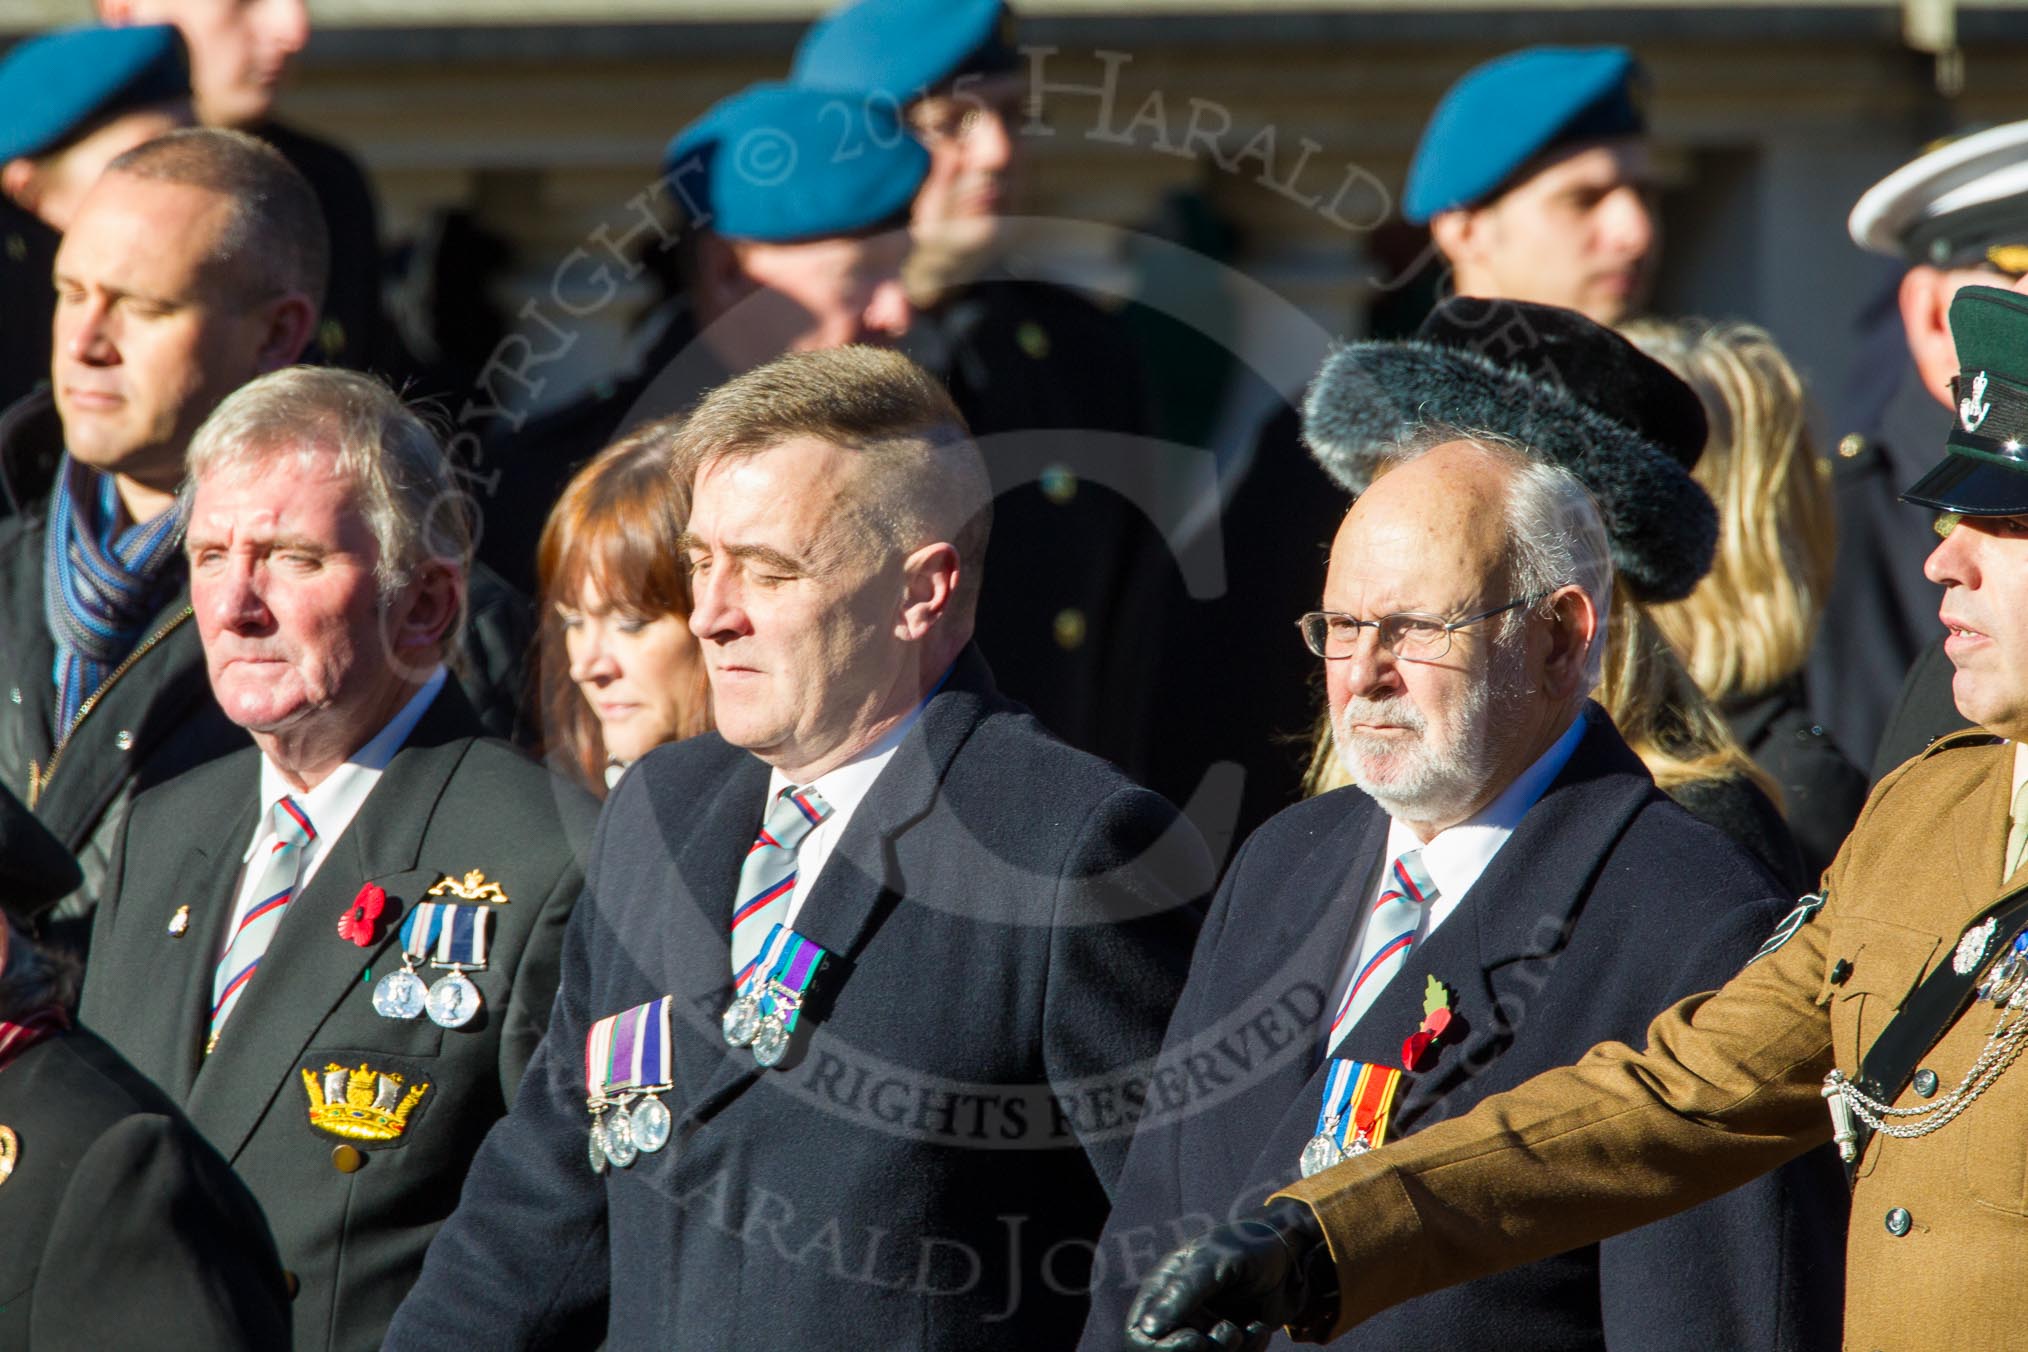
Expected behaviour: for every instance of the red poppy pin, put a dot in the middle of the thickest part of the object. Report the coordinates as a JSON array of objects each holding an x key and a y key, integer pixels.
[
  {"x": 358, "y": 922},
  {"x": 1419, "y": 1049}
]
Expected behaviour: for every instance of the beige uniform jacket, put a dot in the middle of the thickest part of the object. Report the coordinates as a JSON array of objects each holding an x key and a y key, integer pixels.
[{"x": 1731, "y": 1085}]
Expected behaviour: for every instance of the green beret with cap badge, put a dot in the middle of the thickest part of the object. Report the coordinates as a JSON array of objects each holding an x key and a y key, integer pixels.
[{"x": 1985, "y": 465}]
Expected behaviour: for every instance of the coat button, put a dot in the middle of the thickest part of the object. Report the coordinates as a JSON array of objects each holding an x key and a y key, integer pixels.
[
  {"x": 1925, "y": 1083},
  {"x": 1841, "y": 971},
  {"x": 1070, "y": 629},
  {"x": 1850, "y": 445},
  {"x": 124, "y": 740},
  {"x": 1898, "y": 1221},
  {"x": 291, "y": 1282},
  {"x": 348, "y": 1159}
]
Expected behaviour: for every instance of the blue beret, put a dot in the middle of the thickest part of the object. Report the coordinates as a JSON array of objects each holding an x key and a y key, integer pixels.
[
  {"x": 1509, "y": 110},
  {"x": 54, "y": 86},
  {"x": 780, "y": 164},
  {"x": 903, "y": 48}
]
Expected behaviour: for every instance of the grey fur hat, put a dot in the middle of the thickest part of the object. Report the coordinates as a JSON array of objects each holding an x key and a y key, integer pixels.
[{"x": 1572, "y": 390}]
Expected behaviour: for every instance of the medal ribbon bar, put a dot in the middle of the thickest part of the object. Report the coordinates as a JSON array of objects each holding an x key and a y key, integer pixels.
[
  {"x": 462, "y": 935},
  {"x": 1358, "y": 1096},
  {"x": 789, "y": 978},
  {"x": 761, "y": 969},
  {"x": 419, "y": 931},
  {"x": 629, "y": 1050}
]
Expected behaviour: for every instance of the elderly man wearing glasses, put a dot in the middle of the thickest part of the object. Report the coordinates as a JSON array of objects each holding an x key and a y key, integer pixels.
[{"x": 1504, "y": 887}]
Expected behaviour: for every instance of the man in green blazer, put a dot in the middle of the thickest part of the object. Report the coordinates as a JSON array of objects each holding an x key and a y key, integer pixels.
[{"x": 337, "y": 949}]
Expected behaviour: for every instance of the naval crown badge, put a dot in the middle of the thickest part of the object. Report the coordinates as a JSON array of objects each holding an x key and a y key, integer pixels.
[
  {"x": 1972, "y": 412},
  {"x": 361, "y": 1103}
]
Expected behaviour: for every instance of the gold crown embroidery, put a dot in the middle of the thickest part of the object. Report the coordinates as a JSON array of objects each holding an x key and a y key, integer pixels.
[
  {"x": 362, "y": 1104},
  {"x": 472, "y": 887}
]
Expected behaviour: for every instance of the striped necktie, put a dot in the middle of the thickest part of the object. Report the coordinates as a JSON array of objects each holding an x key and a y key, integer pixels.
[
  {"x": 1390, "y": 934},
  {"x": 768, "y": 877},
  {"x": 277, "y": 884}
]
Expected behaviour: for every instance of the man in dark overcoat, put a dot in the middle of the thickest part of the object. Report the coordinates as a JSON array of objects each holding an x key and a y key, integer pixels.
[
  {"x": 856, "y": 1005},
  {"x": 1504, "y": 886},
  {"x": 194, "y": 264}
]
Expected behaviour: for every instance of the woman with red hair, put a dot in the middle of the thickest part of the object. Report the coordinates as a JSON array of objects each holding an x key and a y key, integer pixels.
[{"x": 620, "y": 673}]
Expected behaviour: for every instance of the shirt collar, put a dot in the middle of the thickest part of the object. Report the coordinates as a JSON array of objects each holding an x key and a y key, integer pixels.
[
  {"x": 844, "y": 786},
  {"x": 336, "y": 801},
  {"x": 1456, "y": 856}
]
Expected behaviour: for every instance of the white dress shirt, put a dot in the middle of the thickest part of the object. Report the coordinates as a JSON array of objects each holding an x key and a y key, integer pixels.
[
  {"x": 333, "y": 804},
  {"x": 844, "y": 789},
  {"x": 1455, "y": 857}
]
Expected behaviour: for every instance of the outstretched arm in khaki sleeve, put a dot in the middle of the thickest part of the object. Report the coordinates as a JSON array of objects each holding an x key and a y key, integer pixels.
[{"x": 1728, "y": 1088}]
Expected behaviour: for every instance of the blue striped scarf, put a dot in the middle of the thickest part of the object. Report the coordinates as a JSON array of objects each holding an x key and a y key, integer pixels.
[{"x": 102, "y": 581}]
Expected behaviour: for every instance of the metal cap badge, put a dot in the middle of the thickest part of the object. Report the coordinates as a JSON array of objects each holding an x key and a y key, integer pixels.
[{"x": 1985, "y": 466}]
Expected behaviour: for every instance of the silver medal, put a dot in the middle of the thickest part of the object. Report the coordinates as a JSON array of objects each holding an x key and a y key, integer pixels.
[
  {"x": 1320, "y": 1154},
  {"x": 619, "y": 1139},
  {"x": 742, "y": 1021},
  {"x": 597, "y": 1152},
  {"x": 651, "y": 1124},
  {"x": 400, "y": 995},
  {"x": 771, "y": 1043},
  {"x": 454, "y": 1001}
]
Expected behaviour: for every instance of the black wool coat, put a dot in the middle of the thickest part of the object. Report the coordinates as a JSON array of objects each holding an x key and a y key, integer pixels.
[
  {"x": 123, "y": 1228},
  {"x": 1010, "y": 920},
  {"x": 1607, "y": 904}
]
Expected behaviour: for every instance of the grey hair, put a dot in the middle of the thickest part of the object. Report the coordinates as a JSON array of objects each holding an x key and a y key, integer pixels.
[
  {"x": 408, "y": 492},
  {"x": 33, "y": 978},
  {"x": 1555, "y": 535}
]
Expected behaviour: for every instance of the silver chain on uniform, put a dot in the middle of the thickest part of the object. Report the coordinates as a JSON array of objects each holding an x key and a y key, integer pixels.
[{"x": 2009, "y": 1036}]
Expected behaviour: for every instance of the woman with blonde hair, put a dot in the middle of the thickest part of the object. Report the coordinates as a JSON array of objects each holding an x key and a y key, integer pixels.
[
  {"x": 1579, "y": 395},
  {"x": 1745, "y": 631},
  {"x": 619, "y": 672}
]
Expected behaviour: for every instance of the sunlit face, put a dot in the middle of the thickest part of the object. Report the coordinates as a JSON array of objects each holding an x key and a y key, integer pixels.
[
  {"x": 240, "y": 50},
  {"x": 810, "y": 296},
  {"x": 54, "y": 185},
  {"x": 1581, "y": 232},
  {"x": 637, "y": 671},
  {"x": 1424, "y": 739},
  {"x": 971, "y": 133},
  {"x": 1982, "y": 565},
  {"x": 282, "y": 583},
  {"x": 147, "y": 340},
  {"x": 796, "y": 612}
]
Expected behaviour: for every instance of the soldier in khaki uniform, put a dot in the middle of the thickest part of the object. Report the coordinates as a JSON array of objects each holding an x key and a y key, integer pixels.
[{"x": 1899, "y": 995}]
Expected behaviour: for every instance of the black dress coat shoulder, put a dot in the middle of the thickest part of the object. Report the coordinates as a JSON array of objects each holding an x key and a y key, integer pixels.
[
  {"x": 1606, "y": 904},
  {"x": 353, "y": 1226},
  {"x": 123, "y": 1227},
  {"x": 1009, "y": 919},
  {"x": 1822, "y": 790}
]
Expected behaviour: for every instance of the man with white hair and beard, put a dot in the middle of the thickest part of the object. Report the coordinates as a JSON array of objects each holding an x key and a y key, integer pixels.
[{"x": 1504, "y": 886}]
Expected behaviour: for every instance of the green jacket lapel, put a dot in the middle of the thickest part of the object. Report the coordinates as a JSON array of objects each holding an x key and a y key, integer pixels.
[{"x": 308, "y": 971}]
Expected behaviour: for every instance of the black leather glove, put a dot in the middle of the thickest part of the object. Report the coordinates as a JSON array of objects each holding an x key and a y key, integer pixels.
[{"x": 1230, "y": 1289}]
